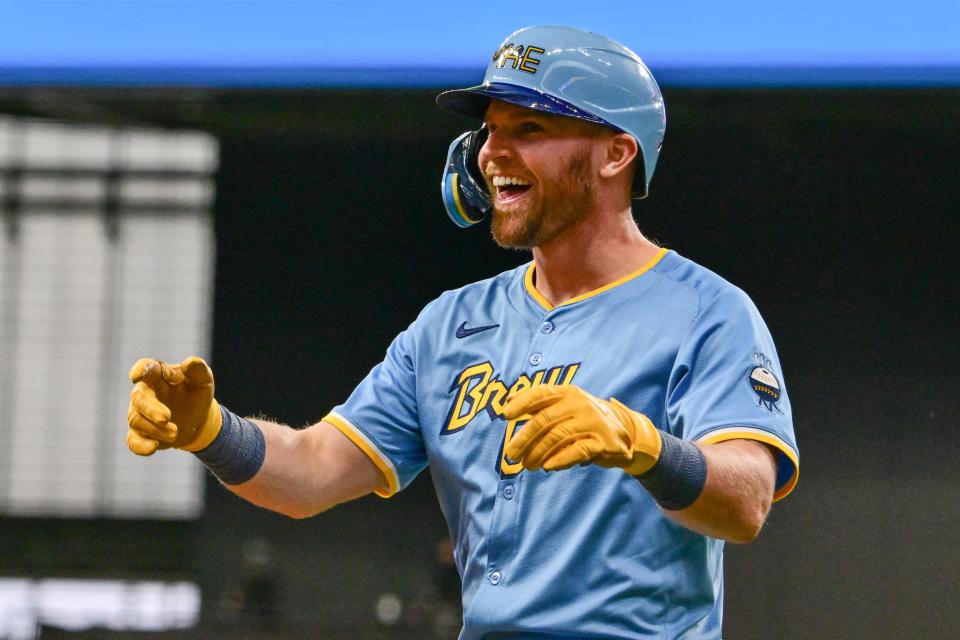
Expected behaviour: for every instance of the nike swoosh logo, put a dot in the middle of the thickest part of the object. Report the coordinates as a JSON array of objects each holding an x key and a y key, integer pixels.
[{"x": 463, "y": 332}]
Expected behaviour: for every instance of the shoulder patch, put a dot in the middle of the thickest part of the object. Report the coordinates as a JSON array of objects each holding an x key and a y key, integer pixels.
[{"x": 764, "y": 383}]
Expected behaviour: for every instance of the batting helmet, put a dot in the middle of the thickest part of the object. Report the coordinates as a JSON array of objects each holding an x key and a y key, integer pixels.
[{"x": 560, "y": 70}]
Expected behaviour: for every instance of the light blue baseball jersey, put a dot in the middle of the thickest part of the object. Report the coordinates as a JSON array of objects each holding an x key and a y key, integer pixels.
[{"x": 584, "y": 552}]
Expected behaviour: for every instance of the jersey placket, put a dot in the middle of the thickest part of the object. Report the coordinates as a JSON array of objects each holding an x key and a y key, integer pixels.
[{"x": 509, "y": 503}]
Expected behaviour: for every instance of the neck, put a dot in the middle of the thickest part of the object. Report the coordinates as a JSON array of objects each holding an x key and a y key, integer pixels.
[{"x": 597, "y": 251}]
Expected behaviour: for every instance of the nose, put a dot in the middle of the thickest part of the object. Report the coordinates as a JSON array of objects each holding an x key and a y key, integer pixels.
[{"x": 494, "y": 148}]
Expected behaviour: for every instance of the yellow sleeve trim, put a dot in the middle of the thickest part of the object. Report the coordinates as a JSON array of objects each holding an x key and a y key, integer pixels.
[
  {"x": 546, "y": 304},
  {"x": 761, "y": 436},
  {"x": 383, "y": 463}
]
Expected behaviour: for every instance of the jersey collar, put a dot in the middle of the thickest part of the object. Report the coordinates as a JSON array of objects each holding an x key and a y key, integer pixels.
[{"x": 543, "y": 302}]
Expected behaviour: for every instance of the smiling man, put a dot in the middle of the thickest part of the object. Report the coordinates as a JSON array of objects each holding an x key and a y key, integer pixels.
[
  {"x": 542, "y": 186},
  {"x": 597, "y": 422}
]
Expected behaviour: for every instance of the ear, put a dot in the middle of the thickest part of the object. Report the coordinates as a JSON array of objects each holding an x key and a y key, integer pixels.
[{"x": 620, "y": 150}]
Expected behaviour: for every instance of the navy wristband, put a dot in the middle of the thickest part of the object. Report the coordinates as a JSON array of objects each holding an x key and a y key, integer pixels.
[
  {"x": 237, "y": 453},
  {"x": 677, "y": 478}
]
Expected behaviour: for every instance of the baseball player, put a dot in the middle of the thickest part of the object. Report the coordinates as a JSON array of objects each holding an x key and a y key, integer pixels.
[{"x": 597, "y": 422}]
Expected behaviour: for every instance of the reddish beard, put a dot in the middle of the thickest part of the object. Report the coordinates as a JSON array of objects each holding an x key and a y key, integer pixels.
[{"x": 564, "y": 200}]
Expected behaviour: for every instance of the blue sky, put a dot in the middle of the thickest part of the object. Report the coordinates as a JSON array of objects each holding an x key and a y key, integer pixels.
[
  {"x": 376, "y": 33},
  {"x": 679, "y": 35}
]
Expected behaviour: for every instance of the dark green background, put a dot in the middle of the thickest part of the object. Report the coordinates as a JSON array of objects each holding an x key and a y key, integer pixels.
[{"x": 834, "y": 209}]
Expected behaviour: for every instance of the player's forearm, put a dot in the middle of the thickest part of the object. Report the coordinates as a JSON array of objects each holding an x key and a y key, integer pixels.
[
  {"x": 737, "y": 495},
  {"x": 284, "y": 481},
  {"x": 302, "y": 474}
]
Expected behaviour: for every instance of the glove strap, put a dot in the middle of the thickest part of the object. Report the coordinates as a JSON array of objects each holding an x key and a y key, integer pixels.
[
  {"x": 238, "y": 451},
  {"x": 678, "y": 477},
  {"x": 208, "y": 432}
]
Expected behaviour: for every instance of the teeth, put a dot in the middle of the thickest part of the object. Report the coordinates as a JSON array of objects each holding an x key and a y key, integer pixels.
[{"x": 503, "y": 181}]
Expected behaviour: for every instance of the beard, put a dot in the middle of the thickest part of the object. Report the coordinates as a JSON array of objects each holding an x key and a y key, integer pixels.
[{"x": 564, "y": 200}]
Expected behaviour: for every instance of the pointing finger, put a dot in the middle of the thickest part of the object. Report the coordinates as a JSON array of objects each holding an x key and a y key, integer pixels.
[
  {"x": 171, "y": 373},
  {"x": 144, "y": 369},
  {"x": 155, "y": 373}
]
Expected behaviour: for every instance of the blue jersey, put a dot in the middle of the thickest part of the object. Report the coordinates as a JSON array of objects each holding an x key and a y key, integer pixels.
[{"x": 584, "y": 552}]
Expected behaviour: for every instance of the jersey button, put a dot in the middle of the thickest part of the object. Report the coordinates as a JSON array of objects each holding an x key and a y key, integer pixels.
[
  {"x": 508, "y": 492},
  {"x": 546, "y": 327},
  {"x": 536, "y": 359},
  {"x": 496, "y": 577}
]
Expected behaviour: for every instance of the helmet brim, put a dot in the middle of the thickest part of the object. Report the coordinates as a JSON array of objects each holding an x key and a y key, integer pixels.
[{"x": 473, "y": 101}]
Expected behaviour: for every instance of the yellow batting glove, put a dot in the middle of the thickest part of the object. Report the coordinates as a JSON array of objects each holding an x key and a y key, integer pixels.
[
  {"x": 568, "y": 426},
  {"x": 171, "y": 406}
]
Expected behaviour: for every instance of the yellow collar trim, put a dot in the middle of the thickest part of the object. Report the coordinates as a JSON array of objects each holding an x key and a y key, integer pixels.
[{"x": 532, "y": 290}]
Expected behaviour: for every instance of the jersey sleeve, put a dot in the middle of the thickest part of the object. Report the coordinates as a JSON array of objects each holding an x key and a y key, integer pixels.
[
  {"x": 380, "y": 416},
  {"x": 727, "y": 384}
]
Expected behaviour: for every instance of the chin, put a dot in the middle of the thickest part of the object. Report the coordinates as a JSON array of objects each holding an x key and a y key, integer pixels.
[
  {"x": 508, "y": 240},
  {"x": 513, "y": 230}
]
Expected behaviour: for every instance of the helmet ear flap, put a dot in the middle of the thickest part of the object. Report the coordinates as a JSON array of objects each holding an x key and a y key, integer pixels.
[{"x": 463, "y": 189}]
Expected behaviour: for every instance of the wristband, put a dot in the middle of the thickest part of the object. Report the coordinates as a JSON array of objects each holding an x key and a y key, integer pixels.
[
  {"x": 678, "y": 476},
  {"x": 237, "y": 453}
]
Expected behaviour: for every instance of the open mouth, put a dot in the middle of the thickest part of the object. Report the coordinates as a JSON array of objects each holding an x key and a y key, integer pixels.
[
  {"x": 506, "y": 194},
  {"x": 509, "y": 189}
]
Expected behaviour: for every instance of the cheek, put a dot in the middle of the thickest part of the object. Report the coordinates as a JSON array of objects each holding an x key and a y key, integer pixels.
[
  {"x": 483, "y": 156},
  {"x": 572, "y": 163}
]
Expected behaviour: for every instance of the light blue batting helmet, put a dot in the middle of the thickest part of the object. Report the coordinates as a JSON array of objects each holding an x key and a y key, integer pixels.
[{"x": 575, "y": 73}]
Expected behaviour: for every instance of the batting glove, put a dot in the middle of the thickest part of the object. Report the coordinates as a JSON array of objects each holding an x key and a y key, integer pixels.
[
  {"x": 568, "y": 426},
  {"x": 171, "y": 406}
]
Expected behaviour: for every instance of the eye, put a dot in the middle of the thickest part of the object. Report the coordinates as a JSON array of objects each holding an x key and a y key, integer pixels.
[{"x": 529, "y": 127}]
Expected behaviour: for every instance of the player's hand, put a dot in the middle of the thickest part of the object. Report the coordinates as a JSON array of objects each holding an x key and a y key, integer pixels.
[
  {"x": 171, "y": 406},
  {"x": 568, "y": 426}
]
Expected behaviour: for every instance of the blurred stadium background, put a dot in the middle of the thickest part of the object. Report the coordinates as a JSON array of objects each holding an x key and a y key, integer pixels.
[{"x": 283, "y": 159}]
